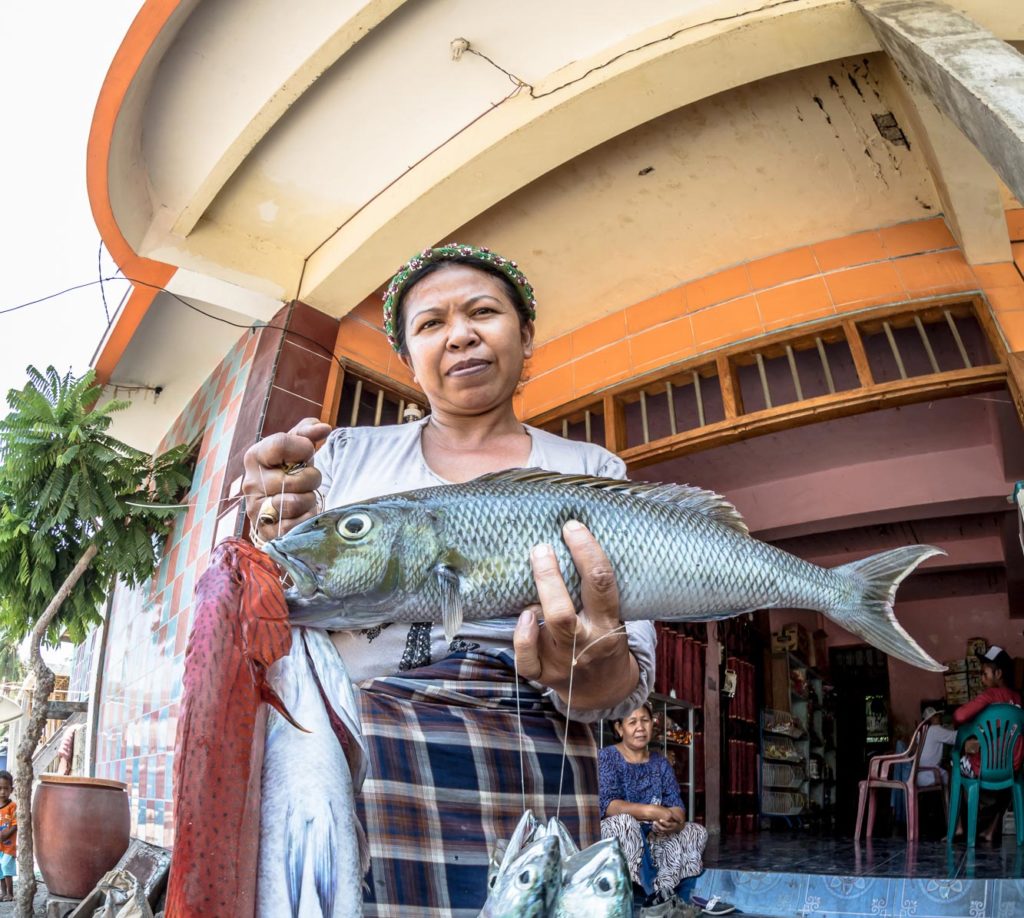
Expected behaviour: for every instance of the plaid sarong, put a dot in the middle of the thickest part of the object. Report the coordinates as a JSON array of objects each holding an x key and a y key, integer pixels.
[{"x": 445, "y": 782}]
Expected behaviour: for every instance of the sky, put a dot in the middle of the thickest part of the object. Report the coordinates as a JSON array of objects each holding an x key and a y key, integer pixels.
[{"x": 54, "y": 55}]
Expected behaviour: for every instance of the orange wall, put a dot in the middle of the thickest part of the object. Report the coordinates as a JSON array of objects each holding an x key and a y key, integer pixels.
[{"x": 904, "y": 262}]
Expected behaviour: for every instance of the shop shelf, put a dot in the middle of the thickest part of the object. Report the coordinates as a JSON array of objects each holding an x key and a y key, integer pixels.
[
  {"x": 783, "y": 803},
  {"x": 781, "y": 748},
  {"x": 777, "y": 775},
  {"x": 783, "y": 723}
]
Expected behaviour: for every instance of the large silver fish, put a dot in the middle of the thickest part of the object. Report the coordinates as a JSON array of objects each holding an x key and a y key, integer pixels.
[
  {"x": 461, "y": 552},
  {"x": 529, "y": 886},
  {"x": 596, "y": 884},
  {"x": 312, "y": 855}
]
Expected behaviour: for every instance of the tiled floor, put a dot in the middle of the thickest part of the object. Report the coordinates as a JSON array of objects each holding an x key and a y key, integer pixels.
[
  {"x": 880, "y": 857},
  {"x": 801, "y": 875}
]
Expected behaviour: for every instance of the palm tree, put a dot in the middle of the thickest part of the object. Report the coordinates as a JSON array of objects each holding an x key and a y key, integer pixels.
[{"x": 79, "y": 510}]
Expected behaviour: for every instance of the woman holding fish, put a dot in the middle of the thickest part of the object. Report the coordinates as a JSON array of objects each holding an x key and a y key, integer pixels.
[{"x": 458, "y": 747}]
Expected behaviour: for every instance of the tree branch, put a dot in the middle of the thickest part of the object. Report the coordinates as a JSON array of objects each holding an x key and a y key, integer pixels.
[{"x": 24, "y": 775}]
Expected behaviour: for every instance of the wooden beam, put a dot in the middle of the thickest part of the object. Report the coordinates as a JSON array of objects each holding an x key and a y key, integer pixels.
[
  {"x": 614, "y": 424},
  {"x": 860, "y": 357},
  {"x": 772, "y": 345},
  {"x": 62, "y": 710},
  {"x": 332, "y": 392},
  {"x": 1015, "y": 381},
  {"x": 821, "y": 408},
  {"x": 732, "y": 397},
  {"x": 712, "y": 732}
]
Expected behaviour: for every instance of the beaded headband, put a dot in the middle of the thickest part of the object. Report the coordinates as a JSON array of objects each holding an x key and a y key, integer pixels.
[{"x": 443, "y": 253}]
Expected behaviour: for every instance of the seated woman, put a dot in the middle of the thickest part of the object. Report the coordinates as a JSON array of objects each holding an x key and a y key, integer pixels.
[{"x": 642, "y": 808}]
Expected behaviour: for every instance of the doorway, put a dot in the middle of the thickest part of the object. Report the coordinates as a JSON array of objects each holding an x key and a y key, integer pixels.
[{"x": 860, "y": 674}]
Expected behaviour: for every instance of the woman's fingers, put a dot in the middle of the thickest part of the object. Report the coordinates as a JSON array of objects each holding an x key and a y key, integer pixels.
[
  {"x": 526, "y": 640},
  {"x": 280, "y": 467},
  {"x": 599, "y": 591}
]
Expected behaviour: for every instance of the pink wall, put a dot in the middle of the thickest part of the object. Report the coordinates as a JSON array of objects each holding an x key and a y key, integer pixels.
[{"x": 940, "y": 626}]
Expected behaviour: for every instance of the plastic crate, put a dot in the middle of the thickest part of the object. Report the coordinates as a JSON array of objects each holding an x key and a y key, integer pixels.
[
  {"x": 774, "y": 774},
  {"x": 782, "y": 803}
]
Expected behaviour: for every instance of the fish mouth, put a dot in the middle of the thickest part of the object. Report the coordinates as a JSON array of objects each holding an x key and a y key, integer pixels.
[{"x": 302, "y": 577}]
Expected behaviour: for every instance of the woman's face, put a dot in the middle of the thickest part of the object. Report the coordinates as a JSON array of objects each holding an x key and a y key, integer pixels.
[
  {"x": 464, "y": 340},
  {"x": 636, "y": 729}
]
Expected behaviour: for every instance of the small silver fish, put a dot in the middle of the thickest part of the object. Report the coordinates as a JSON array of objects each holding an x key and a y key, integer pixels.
[
  {"x": 596, "y": 884},
  {"x": 529, "y": 886},
  {"x": 312, "y": 851},
  {"x": 556, "y": 828},
  {"x": 461, "y": 552},
  {"x": 505, "y": 852}
]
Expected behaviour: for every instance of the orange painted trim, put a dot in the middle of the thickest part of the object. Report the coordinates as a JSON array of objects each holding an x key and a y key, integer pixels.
[{"x": 144, "y": 29}]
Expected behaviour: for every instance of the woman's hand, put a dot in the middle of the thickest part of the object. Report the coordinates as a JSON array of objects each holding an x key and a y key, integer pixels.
[
  {"x": 292, "y": 494},
  {"x": 671, "y": 820},
  {"x": 606, "y": 671}
]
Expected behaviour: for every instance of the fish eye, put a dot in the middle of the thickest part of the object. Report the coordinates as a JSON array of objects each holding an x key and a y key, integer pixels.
[
  {"x": 604, "y": 884},
  {"x": 354, "y": 526},
  {"x": 525, "y": 878}
]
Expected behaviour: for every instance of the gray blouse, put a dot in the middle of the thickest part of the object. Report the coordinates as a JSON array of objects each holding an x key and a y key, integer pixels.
[{"x": 360, "y": 463}]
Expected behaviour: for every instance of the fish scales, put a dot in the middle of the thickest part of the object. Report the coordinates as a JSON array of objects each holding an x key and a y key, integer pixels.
[{"x": 453, "y": 553}]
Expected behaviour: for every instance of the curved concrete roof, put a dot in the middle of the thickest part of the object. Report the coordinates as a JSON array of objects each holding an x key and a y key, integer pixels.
[{"x": 613, "y": 149}]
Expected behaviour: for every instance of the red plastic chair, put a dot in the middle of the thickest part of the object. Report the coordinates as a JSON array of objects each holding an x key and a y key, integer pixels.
[{"x": 879, "y": 778}]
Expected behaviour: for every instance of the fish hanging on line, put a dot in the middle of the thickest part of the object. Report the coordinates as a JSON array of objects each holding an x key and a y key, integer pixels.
[
  {"x": 313, "y": 853},
  {"x": 265, "y": 812},
  {"x": 456, "y": 553}
]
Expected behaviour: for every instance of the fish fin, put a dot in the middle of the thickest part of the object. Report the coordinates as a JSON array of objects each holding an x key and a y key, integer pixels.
[
  {"x": 869, "y": 613},
  {"x": 295, "y": 858},
  {"x": 686, "y": 497},
  {"x": 339, "y": 698},
  {"x": 449, "y": 583},
  {"x": 363, "y": 847},
  {"x": 325, "y": 870},
  {"x": 268, "y": 695}
]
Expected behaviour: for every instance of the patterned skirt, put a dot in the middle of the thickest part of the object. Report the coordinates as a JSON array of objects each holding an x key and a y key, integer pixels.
[
  {"x": 445, "y": 782},
  {"x": 676, "y": 856}
]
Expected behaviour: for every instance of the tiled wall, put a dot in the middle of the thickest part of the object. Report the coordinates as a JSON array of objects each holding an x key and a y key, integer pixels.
[
  {"x": 149, "y": 626},
  {"x": 904, "y": 262}
]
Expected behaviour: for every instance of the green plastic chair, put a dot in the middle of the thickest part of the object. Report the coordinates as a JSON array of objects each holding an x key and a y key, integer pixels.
[{"x": 997, "y": 727}]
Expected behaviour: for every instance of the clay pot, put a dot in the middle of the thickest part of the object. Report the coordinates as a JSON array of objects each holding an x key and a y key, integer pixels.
[{"x": 81, "y": 827}]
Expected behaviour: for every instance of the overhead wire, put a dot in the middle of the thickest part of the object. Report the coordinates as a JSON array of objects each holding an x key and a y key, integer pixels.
[{"x": 252, "y": 327}]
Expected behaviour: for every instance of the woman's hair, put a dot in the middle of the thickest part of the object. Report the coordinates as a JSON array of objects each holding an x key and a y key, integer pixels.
[
  {"x": 646, "y": 706},
  {"x": 507, "y": 286}
]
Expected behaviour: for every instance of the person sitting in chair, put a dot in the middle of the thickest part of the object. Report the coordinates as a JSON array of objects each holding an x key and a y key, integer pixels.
[
  {"x": 929, "y": 766},
  {"x": 997, "y": 679}
]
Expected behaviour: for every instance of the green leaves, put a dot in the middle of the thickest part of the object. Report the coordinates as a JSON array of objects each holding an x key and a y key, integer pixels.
[{"x": 65, "y": 483}]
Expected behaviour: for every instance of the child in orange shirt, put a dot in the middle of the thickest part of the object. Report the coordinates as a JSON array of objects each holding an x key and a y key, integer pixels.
[{"x": 8, "y": 837}]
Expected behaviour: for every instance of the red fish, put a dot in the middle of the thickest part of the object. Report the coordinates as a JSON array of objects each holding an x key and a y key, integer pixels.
[{"x": 240, "y": 628}]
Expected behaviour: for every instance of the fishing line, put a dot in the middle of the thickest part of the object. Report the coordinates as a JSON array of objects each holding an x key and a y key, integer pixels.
[
  {"x": 519, "y": 723},
  {"x": 621, "y": 629}
]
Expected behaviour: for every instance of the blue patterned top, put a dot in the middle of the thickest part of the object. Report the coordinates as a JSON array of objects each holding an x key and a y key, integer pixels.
[{"x": 652, "y": 781}]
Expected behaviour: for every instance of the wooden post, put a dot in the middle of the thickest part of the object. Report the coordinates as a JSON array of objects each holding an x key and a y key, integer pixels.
[
  {"x": 712, "y": 732},
  {"x": 1015, "y": 381},
  {"x": 860, "y": 356},
  {"x": 732, "y": 397},
  {"x": 614, "y": 424}
]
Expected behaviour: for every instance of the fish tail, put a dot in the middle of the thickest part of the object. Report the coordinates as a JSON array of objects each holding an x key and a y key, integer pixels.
[
  {"x": 311, "y": 838},
  {"x": 869, "y": 612},
  {"x": 325, "y": 870}
]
